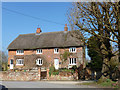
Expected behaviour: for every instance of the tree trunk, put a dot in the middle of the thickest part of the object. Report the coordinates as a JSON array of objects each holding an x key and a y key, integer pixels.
[
  {"x": 104, "y": 61},
  {"x": 119, "y": 63},
  {"x": 107, "y": 55}
]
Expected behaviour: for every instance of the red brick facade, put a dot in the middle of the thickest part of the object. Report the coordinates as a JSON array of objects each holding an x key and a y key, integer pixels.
[{"x": 50, "y": 56}]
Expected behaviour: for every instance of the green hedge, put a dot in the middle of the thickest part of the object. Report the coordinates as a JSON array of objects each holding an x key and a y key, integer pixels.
[
  {"x": 52, "y": 71},
  {"x": 55, "y": 73}
]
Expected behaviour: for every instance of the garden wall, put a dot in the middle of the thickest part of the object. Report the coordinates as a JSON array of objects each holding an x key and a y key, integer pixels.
[
  {"x": 20, "y": 75},
  {"x": 64, "y": 76},
  {"x": 35, "y": 76}
]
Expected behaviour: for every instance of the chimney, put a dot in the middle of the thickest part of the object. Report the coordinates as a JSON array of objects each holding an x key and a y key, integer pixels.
[
  {"x": 38, "y": 31},
  {"x": 65, "y": 28}
]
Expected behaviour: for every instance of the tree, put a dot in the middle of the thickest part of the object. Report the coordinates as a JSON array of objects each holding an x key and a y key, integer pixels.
[
  {"x": 3, "y": 60},
  {"x": 99, "y": 19},
  {"x": 93, "y": 46}
]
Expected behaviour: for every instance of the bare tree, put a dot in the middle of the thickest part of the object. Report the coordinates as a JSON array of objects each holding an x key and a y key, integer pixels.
[
  {"x": 3, "y": 60},
  {"x": 100, "y": 19}
]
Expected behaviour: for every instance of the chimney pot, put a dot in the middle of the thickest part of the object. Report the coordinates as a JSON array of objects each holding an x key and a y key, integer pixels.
[
  {"x": 65, "y": 28},
  {"x": 38, "y": 31}
]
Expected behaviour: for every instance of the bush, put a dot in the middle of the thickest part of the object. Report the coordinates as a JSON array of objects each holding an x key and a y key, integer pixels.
[
  {"x": 49, "y": 73},
  {"x": 107, "y": 82},
  {"x": 55, "y": 72},
  {"x": 67, "y": 70},
  {"x": 72, "y": 71},
  {"x": 51, "y": 70},
  {"x": 74, "y": 67}
]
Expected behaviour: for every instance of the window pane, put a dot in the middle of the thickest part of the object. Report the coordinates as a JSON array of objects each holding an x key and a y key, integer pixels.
[
  {"x": 75, "y": 60},
  {"x": 39, "y": 50},
  {"x": 70, "y": 60},
  {"x": 57, "y": 50},
  {"x": 22, "y": 61},
  {"x": 18, "y": 61},
  {"x": 41, "y": 61}
]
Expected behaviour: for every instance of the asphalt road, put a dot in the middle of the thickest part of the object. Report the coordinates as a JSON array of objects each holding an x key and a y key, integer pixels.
[{"x": 43, "y": 84}]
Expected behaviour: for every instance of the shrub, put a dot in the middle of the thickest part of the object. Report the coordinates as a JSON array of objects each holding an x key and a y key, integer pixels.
[
  {"x": 74, "y": 67},
  {"x": 55, "y": 72},
  {"x": 72, "y": 71},
  {"x": 49, "y": 73},
  {"x": 51, "y": 70},
  {"x": 107, "y": 82},
  {"x": 66, "y": 70}
]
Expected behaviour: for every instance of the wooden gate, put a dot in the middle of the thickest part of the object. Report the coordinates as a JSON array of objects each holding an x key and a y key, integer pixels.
[{"x": 43, "y": 74}]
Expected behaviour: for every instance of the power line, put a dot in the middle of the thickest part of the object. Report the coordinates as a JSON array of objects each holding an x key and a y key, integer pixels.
[{"x": 31, "y": 16}]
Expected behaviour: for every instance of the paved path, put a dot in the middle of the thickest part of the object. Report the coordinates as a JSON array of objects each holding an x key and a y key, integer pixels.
[{"x": 43, "y": 84}]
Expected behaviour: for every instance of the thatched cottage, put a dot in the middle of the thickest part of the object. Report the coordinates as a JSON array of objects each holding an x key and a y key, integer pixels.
[{"x": 62, "y": 49}]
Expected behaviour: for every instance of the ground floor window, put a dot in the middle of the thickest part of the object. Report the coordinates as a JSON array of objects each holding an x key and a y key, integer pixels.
[
  {"x": 19, "y": 62},
  {"x": 39, "y": 61},
  {"x": 72, "y": 61}
]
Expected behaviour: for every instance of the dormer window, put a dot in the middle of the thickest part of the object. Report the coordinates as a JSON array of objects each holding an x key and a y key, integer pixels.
[
  {"x": 39, "y": 51},
  {"x": 56, "y": 50},
  {"x": 72, "y": 50},
  {"x": 19, "y": 52},
  {"x": 39, "y": 61}
]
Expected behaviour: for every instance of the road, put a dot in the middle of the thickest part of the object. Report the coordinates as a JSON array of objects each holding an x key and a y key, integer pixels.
[{"x": 43, "y": 84}]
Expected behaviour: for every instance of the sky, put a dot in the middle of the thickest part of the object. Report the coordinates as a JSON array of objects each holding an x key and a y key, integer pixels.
[{"x": 26, "y": 17}]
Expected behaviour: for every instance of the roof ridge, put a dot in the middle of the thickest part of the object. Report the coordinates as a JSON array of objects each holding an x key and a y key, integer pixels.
[{"x": 44, "y": 32}]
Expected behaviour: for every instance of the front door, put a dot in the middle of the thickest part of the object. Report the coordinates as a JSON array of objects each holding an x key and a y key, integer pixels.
[
  {"x": 56, "y": 63},
  {"x": 11, "y": 64}
]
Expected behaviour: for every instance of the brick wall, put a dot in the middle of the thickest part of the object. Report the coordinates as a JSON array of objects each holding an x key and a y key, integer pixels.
[
  {"x": 64, "y": 76},
  {"x": 35, "y": 76},
  {"x": 20, "y": 75},
  {"x": 50, "y": 56}
]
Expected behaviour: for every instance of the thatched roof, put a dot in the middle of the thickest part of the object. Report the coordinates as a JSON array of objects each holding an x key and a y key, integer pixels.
[{"x": 45, "y": 40}]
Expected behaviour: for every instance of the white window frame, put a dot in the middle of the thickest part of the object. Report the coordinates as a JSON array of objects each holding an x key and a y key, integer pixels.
[
  {"x": 55, "y": 50},
  {"x": 19, "y": 52},
  {"x": 20, "y": 60},
  {"x": 39, "y": 51},
  {"x": 72, "y": 61},
  {"x": 70, "y": 50},
  {"x": 39, "y": 61}
]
